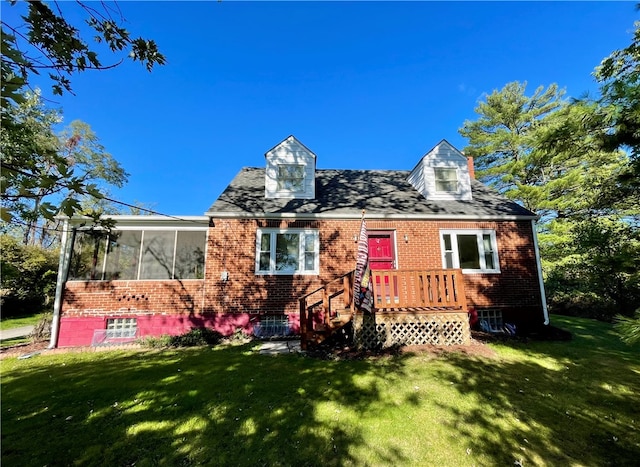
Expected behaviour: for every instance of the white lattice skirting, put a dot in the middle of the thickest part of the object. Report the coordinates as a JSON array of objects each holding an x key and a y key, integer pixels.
[{"x": 388, "y": 329}]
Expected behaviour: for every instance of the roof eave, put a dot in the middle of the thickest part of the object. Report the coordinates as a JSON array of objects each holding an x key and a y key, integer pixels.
[{"x": 358, "y": 215}]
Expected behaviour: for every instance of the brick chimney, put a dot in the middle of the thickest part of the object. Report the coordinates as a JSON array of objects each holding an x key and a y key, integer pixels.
[{"x": 472, "y": 172}]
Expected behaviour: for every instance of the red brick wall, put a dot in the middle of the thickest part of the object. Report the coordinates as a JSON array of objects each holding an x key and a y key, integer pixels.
[
  {"x": 238, "y": 302},
  {"x": 232, "y": 248}
]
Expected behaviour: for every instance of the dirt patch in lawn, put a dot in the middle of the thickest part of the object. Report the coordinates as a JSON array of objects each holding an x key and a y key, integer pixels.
[{"x": 477, "y": 347}]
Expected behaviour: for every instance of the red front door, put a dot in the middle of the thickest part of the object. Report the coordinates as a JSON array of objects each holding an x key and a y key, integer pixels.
[
  {"x": 382, "y": 255},
  {"x": 382, "y": 251}
]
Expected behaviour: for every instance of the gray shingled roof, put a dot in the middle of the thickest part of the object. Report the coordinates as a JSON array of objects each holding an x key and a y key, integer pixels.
[{"x": 345, "y": 193}]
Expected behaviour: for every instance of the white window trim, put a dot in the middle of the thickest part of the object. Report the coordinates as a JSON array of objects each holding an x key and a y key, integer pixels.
[
  {"x": 456, "y": 257},
  {"x": 272, "y": 261}
]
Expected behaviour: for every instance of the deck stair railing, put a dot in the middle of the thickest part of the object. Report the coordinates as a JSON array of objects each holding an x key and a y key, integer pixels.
[{"x": 328, "y": 308}]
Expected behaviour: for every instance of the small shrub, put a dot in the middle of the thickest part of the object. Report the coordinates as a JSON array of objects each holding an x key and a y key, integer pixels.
[
  {"x": 196, "y": 337},
  {"x": 42, "y": 329},
  {"x": 193, "y": 338},
  {"x": 154, "y": 342}
]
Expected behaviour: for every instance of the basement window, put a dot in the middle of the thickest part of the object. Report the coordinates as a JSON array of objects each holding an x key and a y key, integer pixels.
[
  {"x": 490, "y": 320},
  {"x": 121, "y": 328}
]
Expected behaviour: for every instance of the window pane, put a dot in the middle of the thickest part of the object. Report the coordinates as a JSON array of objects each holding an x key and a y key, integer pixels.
[
  {"x": 265, "y": 242},
  {"x": 309, "y": 242},
  {"x": 287, "y": 251},
  {"x": 265, "y": 252},
  {"x": 121, "y": 327},
  {"x": 309, "y": 261},
  {"x": 157, "y": 255},
  {"x": 309, "y": 252},
  {"x": 468, "y": 252},
  {"x": 448, "y": 260},
  {"x": 190, "y": 255},
  {"x": 446, "y": 179},
  {"x": 290, "y": 177},
  {"x": 87, "y": 256},
  {"x": 123, "y": 254},
  {"x": 265, "y": 259},
  {"x": 488, "y": 252},
  {"x": 447, "y": 242},
  {"x": 488, "y": 261}
]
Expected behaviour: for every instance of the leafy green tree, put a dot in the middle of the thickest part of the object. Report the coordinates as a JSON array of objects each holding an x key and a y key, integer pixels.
[
  {"x": 537, "y": 152},
  {"x": 619, "y": 78},
  {"x": 603, "y": 262},
  {"x": 33, "y": 166},
  {"x": 40, "y": 167},
  {"x": 27, "y": 277},
  {"x": 507, "y": 144},
  {"x": 45, "y": 41},
  {"x": 503, "y": 139}
]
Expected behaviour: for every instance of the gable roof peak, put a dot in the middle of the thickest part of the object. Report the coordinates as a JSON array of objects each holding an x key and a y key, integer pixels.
[
  {"x": 445, "y": 143},
  {"x": 288, "y": 141}
]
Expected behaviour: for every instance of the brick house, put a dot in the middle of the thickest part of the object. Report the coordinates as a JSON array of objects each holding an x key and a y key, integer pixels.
[{"x": 281, "y": 231}]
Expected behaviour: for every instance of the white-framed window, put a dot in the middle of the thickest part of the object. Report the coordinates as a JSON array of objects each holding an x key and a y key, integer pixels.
[
  {"x": 470, "y": 250},
  {"x": 138, "y": 254},
  {"x": 446, "y": 179},
  {"x": 291, "y": 177},
  {"x": 287, "y": 251}
]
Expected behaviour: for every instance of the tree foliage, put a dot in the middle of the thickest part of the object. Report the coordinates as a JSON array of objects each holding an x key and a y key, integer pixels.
[
  {"x": 576, "y": 165},
  {"x": 619, "y": 78},
  {"x": 35, "y": 165},
  {"x": 46, "y": 42},
  {"x": 629, "y": 328},
  {"x": 507, "y": 144},
  {"x": 28, "y": 277},
  {"x": 44, "y": 173}
]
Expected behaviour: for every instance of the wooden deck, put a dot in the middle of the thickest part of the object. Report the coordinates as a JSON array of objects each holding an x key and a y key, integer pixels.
[{"x": 431, "y": 302}]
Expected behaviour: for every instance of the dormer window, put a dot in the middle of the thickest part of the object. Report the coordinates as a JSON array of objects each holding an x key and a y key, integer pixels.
[
  {"x": 443, "y": 174},
  {"x": 290, "y": 172},
  {"x": 446, "y": 179},
  {"x": 291, "y": 178}
]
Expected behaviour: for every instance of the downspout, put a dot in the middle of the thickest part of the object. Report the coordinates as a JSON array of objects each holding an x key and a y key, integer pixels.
[
  {"x": 543, "y": 295},
  {"x": 63, "y": 272}
]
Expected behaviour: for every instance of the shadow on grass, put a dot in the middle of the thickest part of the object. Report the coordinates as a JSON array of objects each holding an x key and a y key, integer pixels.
[
  {"x": 537, "y": 403},
  {"x": 565, "y": 403},
  {"x": 205, "y": 406}
]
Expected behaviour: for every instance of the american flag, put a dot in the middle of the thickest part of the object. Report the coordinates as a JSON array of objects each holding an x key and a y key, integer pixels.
[{"x": 362, "y": 285}]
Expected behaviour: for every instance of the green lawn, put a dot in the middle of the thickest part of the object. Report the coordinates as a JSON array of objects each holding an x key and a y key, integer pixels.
[
  {"x": 540, "y": 403},
  {"x": 16, "y": 322}
]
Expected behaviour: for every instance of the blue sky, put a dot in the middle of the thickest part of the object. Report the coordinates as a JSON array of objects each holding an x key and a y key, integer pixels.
[{"x": 362, "y": 84}]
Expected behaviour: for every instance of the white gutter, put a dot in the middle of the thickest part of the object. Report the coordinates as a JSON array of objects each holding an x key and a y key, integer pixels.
[
  {"x": 543, "y": 295},
  {"x": 63, "y": 271}
]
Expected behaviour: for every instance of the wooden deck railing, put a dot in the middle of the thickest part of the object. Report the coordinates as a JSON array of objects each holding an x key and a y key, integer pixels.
[
  {"x": 397, "y": 289},
  {"x": 331, "y": 306}
]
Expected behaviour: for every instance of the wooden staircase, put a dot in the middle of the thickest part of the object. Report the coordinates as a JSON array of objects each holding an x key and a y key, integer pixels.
[{"x": 326, "y": 310}]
